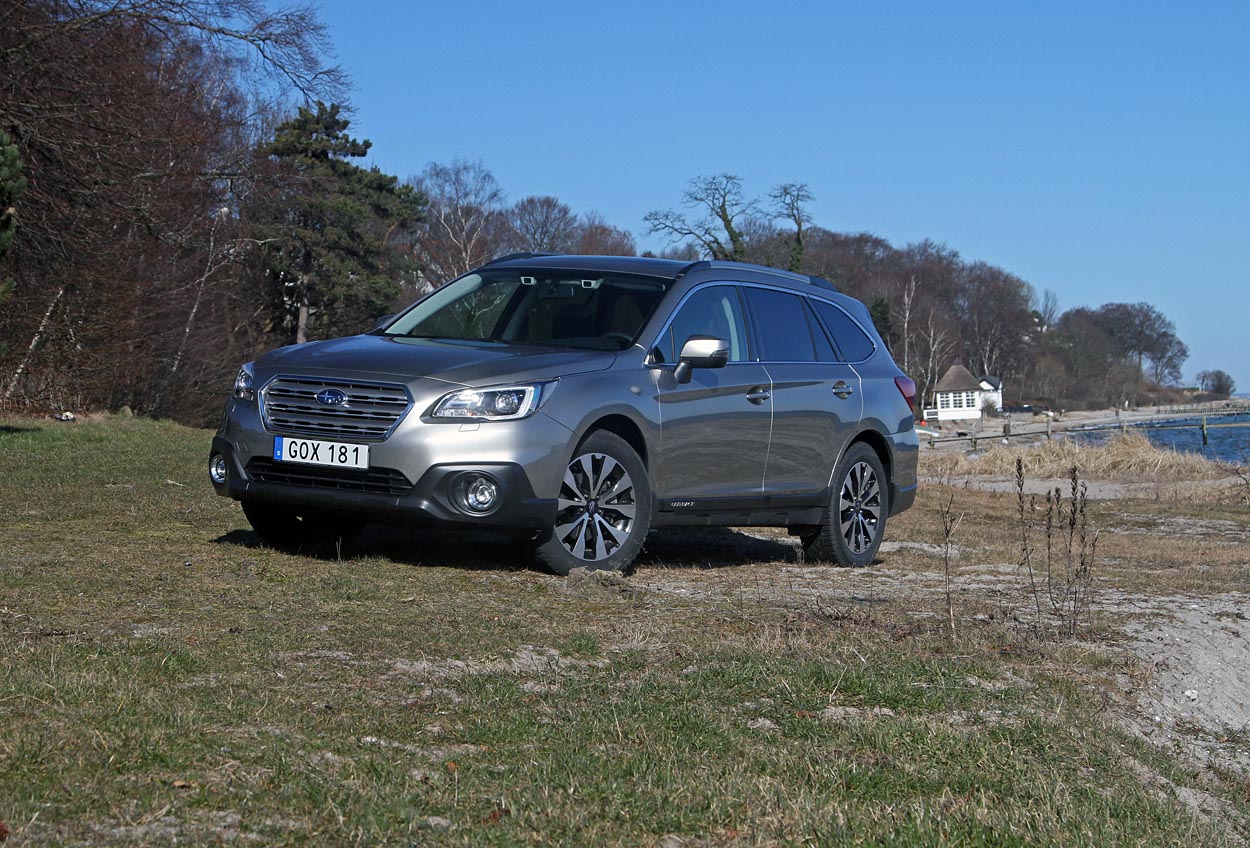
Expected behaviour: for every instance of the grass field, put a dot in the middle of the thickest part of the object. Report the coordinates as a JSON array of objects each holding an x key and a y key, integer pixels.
[{"x": 164, "y": 678}]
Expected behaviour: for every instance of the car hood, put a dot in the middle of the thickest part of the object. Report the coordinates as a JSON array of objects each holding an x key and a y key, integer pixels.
[{"x": 466, "y": 363}]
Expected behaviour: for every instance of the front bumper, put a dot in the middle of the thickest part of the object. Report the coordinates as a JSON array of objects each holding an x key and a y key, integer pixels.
[
  {"x": 526, "y": 459},
  {"x": 428, "y": 502}
]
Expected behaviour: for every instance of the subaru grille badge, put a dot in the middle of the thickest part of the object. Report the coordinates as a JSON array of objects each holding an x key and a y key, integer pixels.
[{"x": 331, "y": 397}]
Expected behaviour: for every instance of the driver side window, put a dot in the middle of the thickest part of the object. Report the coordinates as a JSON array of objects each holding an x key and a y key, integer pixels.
[{"x": 713, "y": 311}]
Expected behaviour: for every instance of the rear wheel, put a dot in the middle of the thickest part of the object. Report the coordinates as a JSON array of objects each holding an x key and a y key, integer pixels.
[
  {"x": 855, "y": 519},
  {"x": 604, "y": 508},
  {"x": 284, "y": 529}
]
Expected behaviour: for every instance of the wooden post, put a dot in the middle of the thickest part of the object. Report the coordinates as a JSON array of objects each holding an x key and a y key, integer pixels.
[
  {"x": 1204, "y": 431},
  {"x": 1048, "y": 420}
]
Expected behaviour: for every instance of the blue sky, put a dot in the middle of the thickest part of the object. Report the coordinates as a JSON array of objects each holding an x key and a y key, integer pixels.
[{"x": 1099, "y": 150}]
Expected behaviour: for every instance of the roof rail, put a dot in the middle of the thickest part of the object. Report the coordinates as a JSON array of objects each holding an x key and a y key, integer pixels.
[
  {"x": 511, "y": 256},
  {"x": 697, "y": 265},
  {"x": 704, "y": 264},
  {"x": 751, "y": 266}
]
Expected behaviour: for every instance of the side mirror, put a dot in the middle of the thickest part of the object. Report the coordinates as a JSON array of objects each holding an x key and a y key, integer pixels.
[
  {"x": 701, "y": 352},
  {"x": 382, "y": 322}
]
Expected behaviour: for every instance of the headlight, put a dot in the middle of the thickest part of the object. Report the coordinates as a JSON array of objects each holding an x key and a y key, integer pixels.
[
  {"x": 506, "y": 403},
  {"x": 243, "y": 383}
]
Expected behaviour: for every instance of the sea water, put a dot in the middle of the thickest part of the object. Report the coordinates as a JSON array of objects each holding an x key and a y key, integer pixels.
[{"x": 1224, "y": 444}]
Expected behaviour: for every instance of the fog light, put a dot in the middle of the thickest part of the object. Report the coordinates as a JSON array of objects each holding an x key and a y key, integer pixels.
[
  {"x": 217, "y": 468},
  {"x": 476, "y": 493}
]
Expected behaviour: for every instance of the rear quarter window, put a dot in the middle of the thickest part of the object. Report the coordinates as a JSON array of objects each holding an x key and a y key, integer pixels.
[{"x": 855, "y": 344}]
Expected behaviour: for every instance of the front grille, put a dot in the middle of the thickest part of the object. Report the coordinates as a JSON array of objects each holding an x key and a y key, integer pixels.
[
  {"x": 369, "y": 415},
  {"x": 380, "y": 481}
]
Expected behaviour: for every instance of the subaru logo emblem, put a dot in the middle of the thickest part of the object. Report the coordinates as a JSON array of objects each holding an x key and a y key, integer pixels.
[{"x": 331, "y": 397}]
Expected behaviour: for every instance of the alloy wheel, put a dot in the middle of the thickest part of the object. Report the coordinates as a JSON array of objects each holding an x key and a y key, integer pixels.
[
  {"x": 859, "y": 507},
  {"x": 596, "y": 508}
]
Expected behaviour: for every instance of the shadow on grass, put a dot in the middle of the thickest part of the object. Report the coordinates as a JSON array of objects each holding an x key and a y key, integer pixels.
[
  {"x": 473, "y": 550},
  {"x": 476, "y": 550},
  {"x": 10, "y": 430},
  {"x": 713, "y": 547}
]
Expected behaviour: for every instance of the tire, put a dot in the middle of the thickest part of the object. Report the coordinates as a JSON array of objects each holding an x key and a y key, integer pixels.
[
  {"x": 854, "y": 521},
  {"x": 604, "y": 509},
  {"x": 285, "y": 530}
]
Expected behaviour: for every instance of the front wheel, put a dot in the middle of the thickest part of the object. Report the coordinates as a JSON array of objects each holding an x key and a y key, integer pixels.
[
  {"x": 604, "y": 508},
  {"x": 855, "y": 519}
]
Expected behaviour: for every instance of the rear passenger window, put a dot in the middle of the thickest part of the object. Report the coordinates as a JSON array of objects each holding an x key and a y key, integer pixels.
[
  {"x": 824, "y": 348},
  {"x": 854, "y": 343},
  {"x": 781, "y": 325}
]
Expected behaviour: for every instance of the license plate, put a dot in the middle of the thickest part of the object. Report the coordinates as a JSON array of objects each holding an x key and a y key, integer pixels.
[{"x": 315, "y": 452}]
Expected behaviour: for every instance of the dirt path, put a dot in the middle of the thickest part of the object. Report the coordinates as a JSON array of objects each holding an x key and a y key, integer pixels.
[
  {"x": 1098, "y": 490},
  {"x": 1197, "y": 654},
  {"x": 1189, "y": 692}
]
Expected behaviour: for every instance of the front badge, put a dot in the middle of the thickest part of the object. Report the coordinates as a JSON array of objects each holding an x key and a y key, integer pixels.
[{"x": 331, "y": 397}]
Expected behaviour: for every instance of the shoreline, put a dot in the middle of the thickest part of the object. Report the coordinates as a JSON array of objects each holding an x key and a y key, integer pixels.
[{"x": 1040, "y": 427}]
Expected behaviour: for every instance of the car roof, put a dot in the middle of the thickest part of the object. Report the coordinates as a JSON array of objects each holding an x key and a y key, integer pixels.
[{"x": 669, "y": 269}]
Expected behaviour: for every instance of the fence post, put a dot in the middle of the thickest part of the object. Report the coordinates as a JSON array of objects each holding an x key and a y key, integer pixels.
[
  {"x": 1204, "y": 431},
  {"x": 1048, "y": 420}
]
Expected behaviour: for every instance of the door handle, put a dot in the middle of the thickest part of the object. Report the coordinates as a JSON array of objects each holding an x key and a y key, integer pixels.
[
  {"x": 842, "y": 390},
  {"x": 758, "y": 396}
]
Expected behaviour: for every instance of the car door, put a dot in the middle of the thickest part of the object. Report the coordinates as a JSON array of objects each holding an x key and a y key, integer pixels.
[
  {"x": 817, "y": 401},
  {"x": 714, "y": 430}
]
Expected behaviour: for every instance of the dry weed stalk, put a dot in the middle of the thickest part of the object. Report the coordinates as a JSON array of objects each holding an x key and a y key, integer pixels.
[
  {"x": 950, "y": 523},
  {"x": 1026, "y": 549},
  {"x": 1079, "y": 553},
  {"x": 1070, "y": 569}
]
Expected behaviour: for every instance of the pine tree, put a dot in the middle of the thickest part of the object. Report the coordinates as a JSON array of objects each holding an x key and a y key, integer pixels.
[
  {"x": 327, "y": 228},
  {"x": 12, "y": 184}
]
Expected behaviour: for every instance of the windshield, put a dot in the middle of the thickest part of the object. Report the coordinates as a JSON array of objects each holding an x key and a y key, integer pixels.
[{"x": 561, "y": 308}]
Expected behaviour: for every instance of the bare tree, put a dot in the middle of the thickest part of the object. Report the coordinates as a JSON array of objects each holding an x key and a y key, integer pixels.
[
  {"x": 599, "y": 238},
  {"x": 134, "y": 119},
  {"x": 1216, "y": 382},
  {"x": 908, "y": 300},
  {"x": 935, "y": 344},
  {"x": 1166, "y": 361},
  {"x": 720, "y": 209},
  {"x": 542, "y": 225},
  {"x": 788, "y": 204},
  {"x": 994, "y": 314},
  {"x": 465, "y": 225},
  {"x": 1145, "y": 333},
  {"x": 1047, "y": 310}
]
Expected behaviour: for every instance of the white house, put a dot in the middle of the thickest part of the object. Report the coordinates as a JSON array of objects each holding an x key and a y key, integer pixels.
[
  {"x": 959, "y": 395},
  {"x": 991, "y": 391}
]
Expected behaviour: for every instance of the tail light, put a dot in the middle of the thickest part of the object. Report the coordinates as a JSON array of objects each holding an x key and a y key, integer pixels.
[{"x": 907, "y": 387}]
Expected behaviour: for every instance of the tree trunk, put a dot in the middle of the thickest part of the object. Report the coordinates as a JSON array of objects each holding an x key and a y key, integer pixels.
[
  {"x": 34, "y": 342},
  {"x": 301, "y": 327}
]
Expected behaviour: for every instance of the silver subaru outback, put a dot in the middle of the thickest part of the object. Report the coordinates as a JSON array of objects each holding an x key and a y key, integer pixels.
[{"x": 581, "y": 402}]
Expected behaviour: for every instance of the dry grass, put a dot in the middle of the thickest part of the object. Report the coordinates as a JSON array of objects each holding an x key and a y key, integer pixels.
[
  {"x": 1127, "y": 456},
  {"x": 165, "y": 678}
]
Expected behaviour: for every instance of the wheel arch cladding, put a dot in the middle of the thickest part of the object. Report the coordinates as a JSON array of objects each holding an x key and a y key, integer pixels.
[
  {"x": 880, "y": 447},
  {"x": 624, "y": 427}
]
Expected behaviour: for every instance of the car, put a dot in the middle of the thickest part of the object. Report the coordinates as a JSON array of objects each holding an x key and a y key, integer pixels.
[
  {"x": 1027, "y": 409},
  {"x": 580, "y": 402}
]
